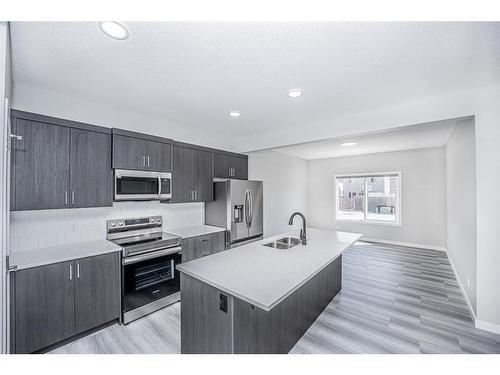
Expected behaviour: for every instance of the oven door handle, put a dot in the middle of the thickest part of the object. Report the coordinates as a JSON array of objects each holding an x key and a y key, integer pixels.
[{"x": 151, "y": 255}]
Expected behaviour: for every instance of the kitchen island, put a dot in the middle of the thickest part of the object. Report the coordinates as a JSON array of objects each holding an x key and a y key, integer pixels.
[{"x": 259, "y": 299}]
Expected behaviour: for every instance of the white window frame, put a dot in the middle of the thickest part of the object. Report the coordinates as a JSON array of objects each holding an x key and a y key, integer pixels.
[{"x": 399, "y": 210}]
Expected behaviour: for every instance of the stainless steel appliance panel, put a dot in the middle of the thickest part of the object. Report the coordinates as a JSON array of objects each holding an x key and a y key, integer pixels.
[
  {"x": 237, "y": 207},
  {"x": 142, "y": 185},
  {"x": 255, "y": 208},
  {"x": 149, "y": 258}
]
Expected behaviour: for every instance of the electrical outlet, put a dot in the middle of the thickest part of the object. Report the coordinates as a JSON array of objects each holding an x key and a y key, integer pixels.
[
  {"x": 223, "y": 303},
  {"x": 75, "y": 227}
]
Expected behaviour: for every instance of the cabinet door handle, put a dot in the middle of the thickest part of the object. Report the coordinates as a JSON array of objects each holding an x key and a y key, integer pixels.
[
  {"x": 143, "y": 161},
  {"x": 195, "y": 195},
  {"x": 77, "y": 270},
  {"x": 66, "y": 197},
  {"x": 73, "y": 197},
  {"x": 148, "y": 161},
  {"x": 71, "y": 271}
]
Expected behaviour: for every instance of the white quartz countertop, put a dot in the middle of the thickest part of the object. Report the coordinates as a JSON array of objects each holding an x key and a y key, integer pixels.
[
  {"x": 194, "y": 230},
  {"x": 61, "y": 253},
  {"x": 264, "y": 276}
]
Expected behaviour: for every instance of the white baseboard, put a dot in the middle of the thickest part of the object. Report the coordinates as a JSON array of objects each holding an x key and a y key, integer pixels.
[
  {"x": 407, "y": 244},
  {"x": 469, "y": 305},
  {"x": 487, "y": 326}
]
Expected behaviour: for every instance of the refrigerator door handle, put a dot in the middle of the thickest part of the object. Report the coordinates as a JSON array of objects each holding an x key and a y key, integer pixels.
[
  {"x": 250, "y": 208},
  {"x": 247, "y": 203}
]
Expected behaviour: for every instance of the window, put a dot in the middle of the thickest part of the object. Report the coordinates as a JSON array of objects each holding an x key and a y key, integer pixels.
[{"x": 371, "y": 198}]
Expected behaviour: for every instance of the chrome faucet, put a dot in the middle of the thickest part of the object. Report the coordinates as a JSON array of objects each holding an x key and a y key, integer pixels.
[{"x": 303, "y": 237}]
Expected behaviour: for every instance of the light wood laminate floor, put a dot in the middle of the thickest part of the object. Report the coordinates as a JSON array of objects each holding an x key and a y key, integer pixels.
[{"x": 394, "y": 300}]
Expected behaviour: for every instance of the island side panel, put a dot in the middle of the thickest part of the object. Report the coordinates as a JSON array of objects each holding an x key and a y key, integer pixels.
[
  {"x": 278, "y": 330},
  {"x": 205, "y": 328}
]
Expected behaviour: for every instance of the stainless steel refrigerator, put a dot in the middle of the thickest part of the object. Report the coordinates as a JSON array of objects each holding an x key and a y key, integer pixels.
[{"x": 238, "y": 207}]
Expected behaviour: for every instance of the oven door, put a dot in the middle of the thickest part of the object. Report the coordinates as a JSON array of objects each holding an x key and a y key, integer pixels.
[
  {"x": 136, "y": 185},
  {"x": 148, "y": 280}
]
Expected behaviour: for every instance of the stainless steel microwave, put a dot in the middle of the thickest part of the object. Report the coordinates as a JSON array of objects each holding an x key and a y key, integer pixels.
[{"x": 142, "y": 185}]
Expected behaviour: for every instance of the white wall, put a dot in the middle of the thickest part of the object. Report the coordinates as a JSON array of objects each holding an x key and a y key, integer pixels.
[
  {"x": 285, "y": 188},
  {"x": 461, "y": 205},
  {"x": 42, "y": 228},
  {"x": 487, "y": 121},
  {"x": 423, "y": 194}
]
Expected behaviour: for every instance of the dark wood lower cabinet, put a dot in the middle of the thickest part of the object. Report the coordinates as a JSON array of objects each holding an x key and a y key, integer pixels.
[
  {"x": 44, "y": 307},
  {"x": 55, "y": 302},
  {"x": 244, "y": 328},
  {"x": 97, "y": 291},
  {"x": 200, "y": 246}
]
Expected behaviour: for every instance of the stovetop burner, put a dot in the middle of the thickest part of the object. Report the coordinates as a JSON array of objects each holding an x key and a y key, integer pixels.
[{"x": 140, "y": 235}]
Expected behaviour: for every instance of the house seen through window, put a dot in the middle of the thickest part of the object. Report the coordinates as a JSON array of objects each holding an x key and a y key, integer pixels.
[{"x": 370, "y": 198}]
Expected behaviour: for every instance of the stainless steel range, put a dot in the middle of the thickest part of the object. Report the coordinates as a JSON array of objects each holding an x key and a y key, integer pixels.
[{"x": 149, "y": 278}]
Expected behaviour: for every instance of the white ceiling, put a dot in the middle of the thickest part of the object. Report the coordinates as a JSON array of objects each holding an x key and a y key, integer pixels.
[
  {"x": 193, "y": 74},
  {"x": 432, "y": 134}
]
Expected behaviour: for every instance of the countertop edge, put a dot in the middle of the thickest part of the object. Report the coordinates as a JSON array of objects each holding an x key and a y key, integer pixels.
[
  {"x": 24, "y": 266},
  {"x": 279, "y": 300},
  {"x": 178, "y": 231}
]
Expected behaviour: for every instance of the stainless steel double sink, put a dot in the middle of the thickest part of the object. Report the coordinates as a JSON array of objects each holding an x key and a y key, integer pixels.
[{"x": 284, "y": 243}]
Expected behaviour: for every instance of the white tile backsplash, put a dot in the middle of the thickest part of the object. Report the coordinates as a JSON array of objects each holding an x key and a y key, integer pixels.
[{"x": 38, "y": 229}]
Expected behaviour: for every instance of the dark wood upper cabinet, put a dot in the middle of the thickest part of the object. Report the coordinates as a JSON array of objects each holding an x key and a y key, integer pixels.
[
  {"x": 192, "y": 175},
  {"x": 91, "y": 176},
  {"x": 66, "y": 164},
  {"x": 138, "y": 151},
  {"x": 40, "y": 166},
  {"x": 97, "y": 287},
  {"x": 229, "y": 166},
  {"x": 160, "y": 156},
  {"x": 59, "y": 164},
  {"x": 129, "y": 152},
  {"x": 44, "y": 306}
]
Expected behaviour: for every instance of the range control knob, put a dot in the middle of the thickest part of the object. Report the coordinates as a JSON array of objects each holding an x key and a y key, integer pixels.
[
  {"x": 151, "y": 219},
  {"x": 158, "y": 219},
  {"x": 113, "y": 223},
  {"x": 121, "y": 223}
]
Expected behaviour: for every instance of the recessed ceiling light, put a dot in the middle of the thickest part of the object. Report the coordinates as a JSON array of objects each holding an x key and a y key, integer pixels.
[
  {"x": 235, "y": 114},
  {"x": 347, "y": 144},
  {"x": 114, "y": 30},
  {"x": 294, "y": 93}
]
